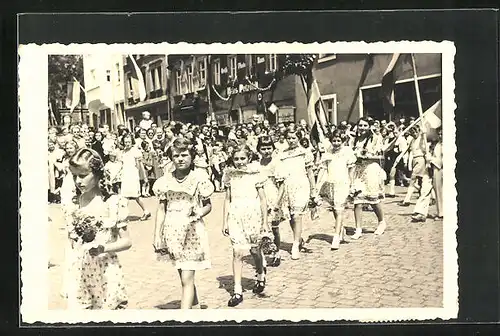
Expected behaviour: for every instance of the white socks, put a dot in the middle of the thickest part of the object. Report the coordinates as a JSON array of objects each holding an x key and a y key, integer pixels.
[
  {"x": 357, "y": 234},
  {"x": 238, "y": 289},
  {"x": 381, "y": 228},
  {"x": 392, "y": 187}
]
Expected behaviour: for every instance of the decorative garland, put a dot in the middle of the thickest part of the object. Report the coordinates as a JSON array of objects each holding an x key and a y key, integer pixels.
[
  {"x": 218, "y": 95},
  {"x": 259, "y": 88},
  {"x": 296, "y": 64}
]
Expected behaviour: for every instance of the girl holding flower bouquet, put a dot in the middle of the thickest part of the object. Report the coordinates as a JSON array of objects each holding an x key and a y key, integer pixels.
[
  {"x": 180, "y": 233},
  {"x": 276, "y": 213},
  {"x": 245, "y": 218},
  {"x": 97, "y": 234}
]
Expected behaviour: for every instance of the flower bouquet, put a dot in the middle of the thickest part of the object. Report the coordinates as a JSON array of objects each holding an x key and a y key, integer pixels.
[
  {"x": 84, "y": 227},
  {"x": 314, "y": 203},
  {"x": 267, "y": 244}
]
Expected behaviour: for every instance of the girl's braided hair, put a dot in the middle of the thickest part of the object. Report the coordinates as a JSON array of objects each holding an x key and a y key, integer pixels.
[{"x": 87, "y": 156}]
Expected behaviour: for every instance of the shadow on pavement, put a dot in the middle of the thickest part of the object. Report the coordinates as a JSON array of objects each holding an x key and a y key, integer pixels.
[
  {"x": 350, "y": 230},
  {"x": 320, "y": 236},
  {"x": 176, "y": 304},
  {"x": 226, "y": 282},
  {"x": 133, "y": 218}
]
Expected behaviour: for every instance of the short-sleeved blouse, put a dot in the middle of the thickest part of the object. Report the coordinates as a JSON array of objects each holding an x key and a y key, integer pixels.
[{"x": 196, "y": 183}]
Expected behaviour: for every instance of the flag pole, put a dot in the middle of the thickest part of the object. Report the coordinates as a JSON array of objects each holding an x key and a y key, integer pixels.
[
  {"x": 417, "y": 93},
  {"x": 415, "y": 122},
  {"x": 208, "y": 84}
]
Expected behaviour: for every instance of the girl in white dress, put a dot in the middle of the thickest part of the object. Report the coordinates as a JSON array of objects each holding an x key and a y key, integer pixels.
[
  {"x": 180, "y": 233},
  {"x": 245, "y": 218},
  {"x": 131, "y": 158},
  {"x": 276, "y": 213},
  {"x": 368, "y": 186},
  {"x": 338, "y": 166},
  {"x": 295, "y": 168},
  {"x": 98, "y": 233}
]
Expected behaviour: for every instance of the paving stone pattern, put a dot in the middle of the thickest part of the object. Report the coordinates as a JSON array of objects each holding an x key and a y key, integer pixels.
[{"x": 402, "y": 268}]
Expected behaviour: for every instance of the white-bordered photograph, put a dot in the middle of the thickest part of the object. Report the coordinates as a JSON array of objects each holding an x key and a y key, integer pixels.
[{"x": 238, "y": 182}]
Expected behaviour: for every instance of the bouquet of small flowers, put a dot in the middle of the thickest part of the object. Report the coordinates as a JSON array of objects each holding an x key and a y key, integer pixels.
[
  {"x": 84, "y": 227},
  {"x": 267, "y": 245},
  {"x": 314, "y": 203}
]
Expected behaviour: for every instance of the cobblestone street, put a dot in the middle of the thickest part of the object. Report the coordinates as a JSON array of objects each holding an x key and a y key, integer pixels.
[{"x": 401, "y": 268}]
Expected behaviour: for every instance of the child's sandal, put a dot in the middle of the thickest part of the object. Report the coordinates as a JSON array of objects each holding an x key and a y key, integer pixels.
[
  {"x": 275, "y": 261},
  {"x": 235, "y": 300},
  {"x": 259, "y": 286}
]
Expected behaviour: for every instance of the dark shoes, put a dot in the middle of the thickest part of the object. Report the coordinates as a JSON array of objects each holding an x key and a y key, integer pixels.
[
  {"x": 235, "y": 300},
  {"x": 404, "y": 204},
  {"x": 275, "y": 261},
  {"x": 419, "y": 218},
  {"x": 260, "y": 284}
]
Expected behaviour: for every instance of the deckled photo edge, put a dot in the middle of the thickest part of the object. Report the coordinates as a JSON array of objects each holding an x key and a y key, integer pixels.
[{"x": 34, "y": 291}]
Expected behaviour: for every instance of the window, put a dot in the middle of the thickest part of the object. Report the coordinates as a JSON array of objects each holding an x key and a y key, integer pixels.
[
  {"x": 271, "y": 63},
  {"x": 202, "y": 69},
  {"x": 155, "y": 74},
  {"x": 92, "y": 78},
  {"x": 232, "y": 67},
  {"x": 118, "y": 73},
  {"x": 108, "y": 75},
  {"x": 216, "y": 70},
  {"x": 144, "y": 78},
  {"x": 190, "y": 78},
  {"x": 178, "y": 81},
  {"x": 251, "y": 65},
  {"x": 330, "y": 104},
  {"x": 326, "y": 57},
  {"x": 130, "y": 87}
]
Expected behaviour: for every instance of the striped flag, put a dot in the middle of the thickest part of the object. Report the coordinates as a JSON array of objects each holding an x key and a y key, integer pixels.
[
  {"x": 315, "y": 111},
  {"x": 138, "y": 80},
  {"x": 73, "y": 95},
  {"x": 388, "y": 84},
  {"x": 432, "y": 120}
]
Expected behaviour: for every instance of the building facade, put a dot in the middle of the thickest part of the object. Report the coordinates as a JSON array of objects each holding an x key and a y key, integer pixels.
[
  {"x": 230, "y": 88},
  {"x": 233, "y": 88},
  {"x": 103, "y": 75},
  {"x": 154, "y": 73},
  {"x": 350, "y": 85}
]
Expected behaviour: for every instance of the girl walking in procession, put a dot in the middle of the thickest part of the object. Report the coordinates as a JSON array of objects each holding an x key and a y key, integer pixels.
[
  {"x": 98, "y": 233},
  {"x": 296, "y": 169},
  {"x": 276, "y": 213},
  {"x": 131, "y": 158},
  {"x": 368, "y": 185},
  {"x": 245, "y": 218},
  {"x": 180, "y": 233},
  {"x": 338, "y": 165}
]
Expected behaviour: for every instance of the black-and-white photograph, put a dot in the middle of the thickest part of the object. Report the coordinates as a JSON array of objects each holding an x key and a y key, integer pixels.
[{"x": 246, "y": 181}]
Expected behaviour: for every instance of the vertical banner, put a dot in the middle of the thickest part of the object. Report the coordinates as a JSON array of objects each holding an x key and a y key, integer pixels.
[{"x": 139, "y": 79}]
